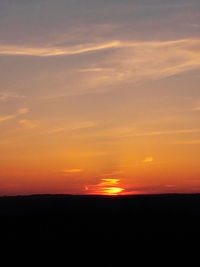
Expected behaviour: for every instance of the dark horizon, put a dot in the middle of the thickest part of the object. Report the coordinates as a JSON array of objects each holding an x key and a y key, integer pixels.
[
  {"x": 100, "y": 195},
  {"x": 61, "y": 218}
]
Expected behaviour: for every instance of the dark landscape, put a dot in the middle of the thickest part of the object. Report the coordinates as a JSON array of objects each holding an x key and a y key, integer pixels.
[{"x": 100, "y": 218}]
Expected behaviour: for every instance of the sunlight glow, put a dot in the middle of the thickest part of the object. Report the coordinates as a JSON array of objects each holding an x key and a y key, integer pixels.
[
  {"x": 112, "y": 190},
  {"x": 105, "y": 187}
]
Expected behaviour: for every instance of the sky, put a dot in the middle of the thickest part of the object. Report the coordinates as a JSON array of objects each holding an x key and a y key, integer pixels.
[{"x": 99, "y": 97}]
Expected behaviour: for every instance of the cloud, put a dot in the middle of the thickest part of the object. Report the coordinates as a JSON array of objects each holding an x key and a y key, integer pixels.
[
  {"x": 148, "y": 160},
  {"x": 6, "y": 118},
  {"x": 29, "y": 124},
  {"x": 196, "y": 107},
  {"x": 130, "y": 131},
  {"x": 188, "y": 142},
  {"x": 114, "y": 173},
  {"x": 56, "y": 51},
  {"x": 9, "y": 95},
  {"x": 157, "y": 133},
  {"x": 109, "y": 182},
  {"x": 154, "y": 60},
  {"x": 20, "y": 111},
  {"x": 71, "y": 171},
  {"x": 91, "y": 70},
  {"x": 112, "y": 64},
  {"x": 131, "y": 62},
  {"x": 72, "y": 127},
  {"x": 23, "y": 110},
  {"x": 128, "y": 60},
  {"x": 48, "y": 51}
]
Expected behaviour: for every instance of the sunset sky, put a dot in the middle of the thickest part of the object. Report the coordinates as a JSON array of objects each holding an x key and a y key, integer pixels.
[{"x": 99, "y": 96}]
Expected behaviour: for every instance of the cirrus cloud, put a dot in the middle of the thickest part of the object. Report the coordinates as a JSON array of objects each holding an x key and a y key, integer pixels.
[
  {"x": 20, "y": 111},
  {"x": 9, "y": 95},
  {"x": 113, "y": 63},
  {"x": 29, "y": 124}
]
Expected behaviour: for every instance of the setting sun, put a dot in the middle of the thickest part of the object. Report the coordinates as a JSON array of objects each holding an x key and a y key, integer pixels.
[
  {"x": 112, "y": 190},
  {"x": 105, "y": 187}
]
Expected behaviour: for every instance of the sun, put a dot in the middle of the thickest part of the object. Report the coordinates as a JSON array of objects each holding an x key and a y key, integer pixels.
[
  {"x": 107, "y": 187},
  {"x": 112, "y": 191}
]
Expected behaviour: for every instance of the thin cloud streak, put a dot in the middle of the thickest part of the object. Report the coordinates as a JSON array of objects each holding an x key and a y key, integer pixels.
[
  {"x": 20, "y": 111},
  {"x": 55, "y": 51},
  {"x": 128, "y": 63},
  {"x": 188, "y": 142},
  {"x": 71, "y": 171},
  {"x": 80, "y": 49},
  {"x": 130, "y": 132},
  {"x": 72, "y": 127},
  {"x": 29, "y": 124},
  {"x": 171, "y": 132},
  {"x": 4, "y": 96},
  {"x": 6, "y": 118}
]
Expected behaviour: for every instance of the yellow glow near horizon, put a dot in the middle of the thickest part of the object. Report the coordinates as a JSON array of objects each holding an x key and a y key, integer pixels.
[
  {"x": 106, "y": 187},
  {"x": 112, "y": 190}
]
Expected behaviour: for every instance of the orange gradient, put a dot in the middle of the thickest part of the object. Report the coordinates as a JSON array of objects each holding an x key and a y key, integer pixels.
[{"x": 100, "y": 105}]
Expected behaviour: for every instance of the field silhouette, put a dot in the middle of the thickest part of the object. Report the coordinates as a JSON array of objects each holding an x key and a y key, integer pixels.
[{"x": 104, "y": 218}]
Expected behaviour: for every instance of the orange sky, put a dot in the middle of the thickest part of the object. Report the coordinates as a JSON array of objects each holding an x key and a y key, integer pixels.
[{"x": 99, "y": 97}]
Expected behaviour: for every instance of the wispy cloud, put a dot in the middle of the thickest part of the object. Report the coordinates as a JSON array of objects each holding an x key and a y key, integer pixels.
[
  {"x": 157, "y": 133},
  {"x": 130, "y": 60},
  {"x": 108, "y": 182},
  {"x": 84, "y": 48},
  {"x": 67, "y": 172},
  {"x": 124, "y": 63},
  {"x": 148, "y": 160},
  {"x": 196, "y": 107},
  {"x": 127, "y": 62},
  {"x": 56, "y": 51},
  {"x": 188, "y": 142},
  {"x": 72, "y": 127},
  {"x": 152, "y": 60},
  {"x": 130, "y": 131},
  {"x": 20, "y": 111},
  {"x": 9, "y": 95},
  {"x": 23, "y": 111},
  {"x": 29, "y": 124},
  {"x": 7, "y": 117}
]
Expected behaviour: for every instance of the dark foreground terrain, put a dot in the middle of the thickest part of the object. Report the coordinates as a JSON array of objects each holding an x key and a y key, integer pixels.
[{"x": 78, "y": 219}]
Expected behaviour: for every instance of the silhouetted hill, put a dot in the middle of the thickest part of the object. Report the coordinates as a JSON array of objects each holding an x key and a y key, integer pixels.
[{"x": 80, "y": 218}]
